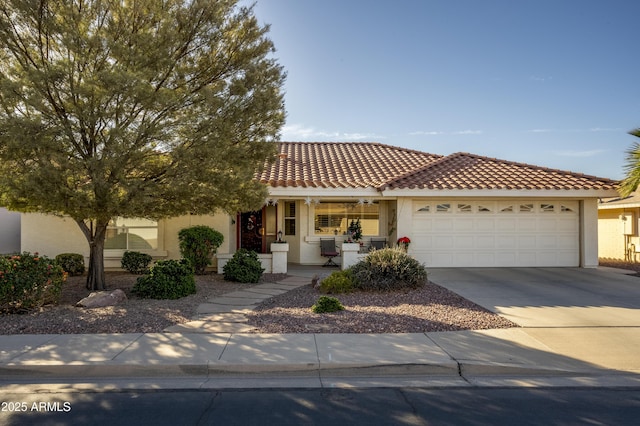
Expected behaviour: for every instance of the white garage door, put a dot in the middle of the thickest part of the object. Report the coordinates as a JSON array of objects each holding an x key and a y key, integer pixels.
[{"x": 496, "y": 233}]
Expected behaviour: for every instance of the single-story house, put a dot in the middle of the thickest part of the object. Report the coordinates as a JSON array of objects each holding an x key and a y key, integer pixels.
[
  {"x": 458, "y": 210},
  {"x": 618, "y": 220}
]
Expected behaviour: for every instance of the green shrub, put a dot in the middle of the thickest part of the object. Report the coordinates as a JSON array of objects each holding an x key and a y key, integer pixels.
[
  {"x": 326, "y": 304},
  {"x": 244, "y": 267},
  {"x": 338, "y": 282},
  {"x": 198, "y": 244},
  {"x": 29, "y": 281},
  {"x": 167, "y": 279},
  {"x": 72, "y": 263},
  {"x": 388, "y": 269},
  {"x": 136, "y": 262}
]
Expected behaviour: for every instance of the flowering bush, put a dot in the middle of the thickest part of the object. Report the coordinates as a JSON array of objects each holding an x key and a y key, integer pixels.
[
  {"x": 29, "y": 281},
  {"x": 404, "y": 242}
]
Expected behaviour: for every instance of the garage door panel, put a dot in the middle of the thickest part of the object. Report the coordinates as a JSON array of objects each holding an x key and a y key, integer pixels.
[
  {"x": 527, "y": 224},
  {"x": 507, "y": 224},
  {"x": 440, "y": 225},
  {"x": 486, "y": 224},
  {"x": 506, "y": 242},
  {"x": 542, "y": 234},
  {"x": 464, "y": 225},
  {"x": 485, "y": 242},
  {"x": 527, "y": 242}
]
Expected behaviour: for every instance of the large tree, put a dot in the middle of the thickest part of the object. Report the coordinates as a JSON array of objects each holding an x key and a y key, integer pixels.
[
  {"x": 631, "y": 181},
  {"x": 134, "y": 108}
]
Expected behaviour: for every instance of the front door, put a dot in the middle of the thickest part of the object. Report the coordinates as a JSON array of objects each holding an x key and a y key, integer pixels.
[{"x": 252, "y": 231}]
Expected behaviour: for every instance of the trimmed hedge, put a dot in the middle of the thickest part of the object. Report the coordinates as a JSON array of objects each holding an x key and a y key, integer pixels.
[
  {"x": 167, "y": 279},
  {"x": 136, "y": 262},
  {"x": 244, "y": 267},
  {"x": 198, "y": 244},
  {"x": 72, "y": 263}
]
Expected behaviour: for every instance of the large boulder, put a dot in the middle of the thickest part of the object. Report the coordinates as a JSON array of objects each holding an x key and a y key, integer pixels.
[{"x": 100, "y": 299}]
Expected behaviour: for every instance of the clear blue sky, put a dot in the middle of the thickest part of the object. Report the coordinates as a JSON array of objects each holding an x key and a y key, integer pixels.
[{"x": 547, "y": 82}]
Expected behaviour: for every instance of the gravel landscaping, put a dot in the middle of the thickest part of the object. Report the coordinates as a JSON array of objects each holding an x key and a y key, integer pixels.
[{"x": 431, "y": 308}]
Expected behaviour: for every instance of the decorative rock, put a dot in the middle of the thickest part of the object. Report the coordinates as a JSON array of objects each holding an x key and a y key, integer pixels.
[
  {"x": 100, "y": 299},
  {"x": 317, "y": 280}
]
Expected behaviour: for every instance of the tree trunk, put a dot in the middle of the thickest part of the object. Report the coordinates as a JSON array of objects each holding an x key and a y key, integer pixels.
[
  {"x": 95, "y": 276},
  {"x": 95, "y": 233}
]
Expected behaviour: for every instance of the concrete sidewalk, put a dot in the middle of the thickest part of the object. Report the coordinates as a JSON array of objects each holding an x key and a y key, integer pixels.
[
  {"x": 492, "y": 357},
  {"x": 208, "y": 356}
]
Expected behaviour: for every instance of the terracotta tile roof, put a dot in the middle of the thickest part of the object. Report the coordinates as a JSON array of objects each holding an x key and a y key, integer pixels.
[
  {"x": 340, "y": 165},
  {"x": 469, "y": 171},
  {"x": 367, "y": 164}
]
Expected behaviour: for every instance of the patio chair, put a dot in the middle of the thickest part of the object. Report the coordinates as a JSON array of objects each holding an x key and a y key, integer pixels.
[
  {"x": 328, "y": 249},
  {"x": 378, "y": 243}
]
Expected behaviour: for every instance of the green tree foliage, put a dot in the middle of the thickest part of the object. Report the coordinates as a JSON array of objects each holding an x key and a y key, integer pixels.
[
  {"x": 146, "y": 108},
  {"x": 198, "y": 244},
  {"x": 632, "y": 179}
]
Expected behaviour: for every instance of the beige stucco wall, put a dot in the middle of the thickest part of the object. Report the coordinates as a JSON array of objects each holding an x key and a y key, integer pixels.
[
  {"x": 221, "y": 222},
  {"x": 51, "y": 235},
  {"x": 611, "y": 231}
]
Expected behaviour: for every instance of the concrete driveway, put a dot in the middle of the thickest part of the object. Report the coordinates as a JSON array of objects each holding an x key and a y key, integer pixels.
[
  {"x": 590, "y": 315},
  {"x": 549, "y": 297}
]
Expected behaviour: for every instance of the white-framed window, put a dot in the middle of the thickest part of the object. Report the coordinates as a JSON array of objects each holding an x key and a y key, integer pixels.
[
  {"x": 443, "y": 208},
  {"x": 333, "y": 218},
  {"x": 131, "y": 234}
]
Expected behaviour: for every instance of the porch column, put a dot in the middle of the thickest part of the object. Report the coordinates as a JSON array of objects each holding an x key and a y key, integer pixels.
[
  {"x": 350, "y": 254},
  {"x": 279, "y": 252}
]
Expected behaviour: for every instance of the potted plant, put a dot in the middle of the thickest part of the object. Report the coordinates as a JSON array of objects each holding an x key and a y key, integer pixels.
[
  {"x": 404, "y": 243},
  {"x": 355, "y": 230}
]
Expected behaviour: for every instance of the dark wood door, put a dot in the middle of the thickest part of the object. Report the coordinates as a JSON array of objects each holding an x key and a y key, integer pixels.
[{"x": 252, "y": 231}]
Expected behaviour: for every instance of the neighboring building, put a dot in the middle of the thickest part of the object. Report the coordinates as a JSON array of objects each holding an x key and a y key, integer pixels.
[
  {"x": 618, "y": 228},
  {"x": 9, "y": 231},
  {"x": 458, "y": 210}
]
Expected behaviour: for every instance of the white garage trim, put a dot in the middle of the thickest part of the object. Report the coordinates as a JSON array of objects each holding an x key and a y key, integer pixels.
[{"x": 467, "y": 233}]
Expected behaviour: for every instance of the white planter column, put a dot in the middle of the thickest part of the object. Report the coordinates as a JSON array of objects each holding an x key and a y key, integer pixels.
[
  {"x": 350, "y": 254},
  {"x": 279, "y": 251}
]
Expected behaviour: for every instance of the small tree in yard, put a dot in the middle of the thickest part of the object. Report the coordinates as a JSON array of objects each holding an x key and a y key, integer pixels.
[
  {"x": 198, "y": 244},
  {"x": 146, "y": 108}
]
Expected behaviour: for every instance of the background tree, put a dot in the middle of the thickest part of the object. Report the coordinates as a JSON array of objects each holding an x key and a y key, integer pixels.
[
  {"x": 146, "y": 108},
  {"x": 632, "y": 167}
]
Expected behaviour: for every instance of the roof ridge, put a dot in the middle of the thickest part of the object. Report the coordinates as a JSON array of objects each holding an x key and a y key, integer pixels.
[
  {"x": 529, "y": 165},
  {"x": 399, "y": 148},
  {"x": 442, "y": 159}
]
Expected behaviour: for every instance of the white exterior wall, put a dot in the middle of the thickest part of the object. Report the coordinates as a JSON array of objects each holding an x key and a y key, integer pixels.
[{"x": 589, "y": 233}]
